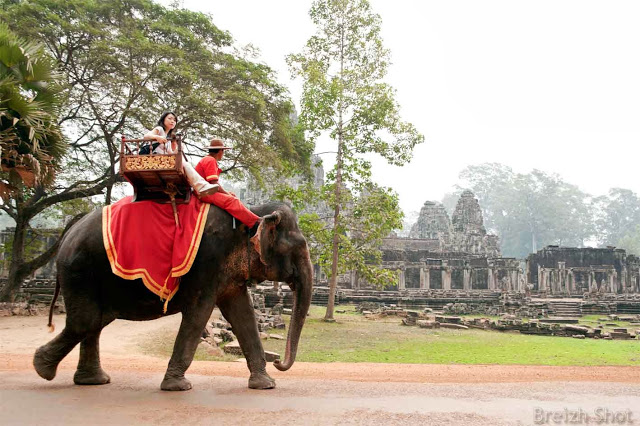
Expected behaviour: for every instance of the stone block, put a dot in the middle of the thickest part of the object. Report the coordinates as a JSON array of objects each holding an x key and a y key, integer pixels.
[
  {"x": 578, "y": 336},
  {"x": 276, "y": 337},
  {"x": 454, "y": 326},
  {"x": 207, "y": 331},
  {"x": 286, "y": 311},
  {"x": 448, "y": 319},
  {"x": 221, "y": 323},
  {"x": 271, "y": 356},
  {"x": 210, "y": 349},
  {"x": 232, "y": 348},
  {"x": 427, "y": 324},
  {"x": 227, "y": 335},
  {"x": 409, "y": 321},
  {"x": 575, "y": 329},
  {"x": 620, "y": 336}
]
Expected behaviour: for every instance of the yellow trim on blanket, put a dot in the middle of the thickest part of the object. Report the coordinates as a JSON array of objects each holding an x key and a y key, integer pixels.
[
  {"x": 211, "y": 177},
  {"x": 129, "y": 274},
  {"x": 196, "y": 238}
]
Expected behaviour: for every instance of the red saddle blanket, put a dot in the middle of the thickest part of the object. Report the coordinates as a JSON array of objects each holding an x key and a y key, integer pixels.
[{"x": 143, "y": 241}]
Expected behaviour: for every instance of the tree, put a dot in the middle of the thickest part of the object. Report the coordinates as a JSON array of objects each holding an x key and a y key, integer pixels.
[
  {"x": 342, "y": 67},
  {"x": 631, "y": 241},
  {"x": 30, "y": 140},
  {"x": 617, "y": 216},
  {"x": 123, "y": 63}
]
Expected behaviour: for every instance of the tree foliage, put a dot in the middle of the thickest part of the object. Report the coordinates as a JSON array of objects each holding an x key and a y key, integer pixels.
[
  {"x": 617, "y": 216},
  {"x": 529, "y": 211},
  {"x": 344, "y": 96},
  {"x": 30, "y": 140},
  {"x": 122, "y": 64}
]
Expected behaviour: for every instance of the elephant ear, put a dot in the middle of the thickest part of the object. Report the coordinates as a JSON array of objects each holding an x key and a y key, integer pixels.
[{"x": 265, "y": 243}]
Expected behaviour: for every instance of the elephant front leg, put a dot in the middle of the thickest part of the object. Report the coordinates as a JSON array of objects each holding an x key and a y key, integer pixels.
[
  {"x": 89, "y": 371},
  {"x": 194, "y": 320},
  {"x": 238, "y": 310}
]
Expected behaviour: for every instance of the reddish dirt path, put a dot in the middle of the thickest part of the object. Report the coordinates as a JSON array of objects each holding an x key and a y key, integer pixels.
[{"x": 310, "y": 393}]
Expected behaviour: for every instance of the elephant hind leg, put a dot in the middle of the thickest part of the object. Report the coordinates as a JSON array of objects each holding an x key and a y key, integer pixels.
[
  {"x": 47, "y": 357},
  {"x": 89, "y": 371}
]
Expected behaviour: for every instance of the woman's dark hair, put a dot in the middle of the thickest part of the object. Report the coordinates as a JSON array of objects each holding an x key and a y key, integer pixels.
[{"x": 161, "y": 122}]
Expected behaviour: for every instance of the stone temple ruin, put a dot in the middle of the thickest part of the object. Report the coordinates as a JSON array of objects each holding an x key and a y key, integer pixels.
[
  {"x": 575, "y": 271},
  {"x": 456, "y": 254},
  {"x": 454, "y": 261},
  {"x": 446, "y": 262}
]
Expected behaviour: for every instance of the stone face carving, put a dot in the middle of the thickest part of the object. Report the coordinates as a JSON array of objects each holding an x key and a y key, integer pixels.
[
  {"x": 464, "y": 233},
  {"x": 432, "y": 224},
  {"x": 467, "y": 217}
]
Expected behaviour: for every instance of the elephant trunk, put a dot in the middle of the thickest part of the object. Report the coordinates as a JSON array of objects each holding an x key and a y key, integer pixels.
[{"x": 302, "y": 287}]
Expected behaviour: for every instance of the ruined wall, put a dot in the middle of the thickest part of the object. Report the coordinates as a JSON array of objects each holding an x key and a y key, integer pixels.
[
  {"x": 425, "y": 270},
  {"x": 571, "y": 270}
]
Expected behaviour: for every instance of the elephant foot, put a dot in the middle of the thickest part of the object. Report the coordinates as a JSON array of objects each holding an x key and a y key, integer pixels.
[
  {"x": 93, "y": 377},
  {"x": 261, "y": 381},
  {"x": 175, "y": 384},
  {"x": 44, "y": 367}
]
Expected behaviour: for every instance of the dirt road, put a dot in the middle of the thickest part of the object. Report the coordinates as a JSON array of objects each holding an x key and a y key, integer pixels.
[{"x": 310, "y": 393}]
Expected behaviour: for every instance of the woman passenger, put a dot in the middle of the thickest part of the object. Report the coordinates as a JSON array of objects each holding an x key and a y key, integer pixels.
[{"x": 163, "y": 134}]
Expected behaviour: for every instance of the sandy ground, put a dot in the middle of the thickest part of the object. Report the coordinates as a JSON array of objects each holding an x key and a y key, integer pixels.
[{"x": 309, "y": 393}]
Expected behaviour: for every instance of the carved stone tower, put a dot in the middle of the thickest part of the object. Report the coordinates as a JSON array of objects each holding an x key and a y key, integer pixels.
[{"x": 433, "y": 223}]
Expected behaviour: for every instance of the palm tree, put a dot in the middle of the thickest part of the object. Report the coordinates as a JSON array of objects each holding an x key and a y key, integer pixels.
[{"x": 31, "y": 142}]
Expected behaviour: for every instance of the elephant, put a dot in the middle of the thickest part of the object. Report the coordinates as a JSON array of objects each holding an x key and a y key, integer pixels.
[{"x": 94, "y": 296}]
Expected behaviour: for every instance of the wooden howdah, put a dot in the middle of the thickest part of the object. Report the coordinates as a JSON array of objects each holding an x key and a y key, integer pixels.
[{"x": 154, "y": 176}]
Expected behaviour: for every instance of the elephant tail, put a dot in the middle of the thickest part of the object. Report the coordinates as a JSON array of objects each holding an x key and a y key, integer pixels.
[{"x": 51, "y": 326}]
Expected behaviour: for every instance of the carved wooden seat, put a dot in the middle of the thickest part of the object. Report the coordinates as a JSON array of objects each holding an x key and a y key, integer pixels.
[{"x": 155, "y": 177}]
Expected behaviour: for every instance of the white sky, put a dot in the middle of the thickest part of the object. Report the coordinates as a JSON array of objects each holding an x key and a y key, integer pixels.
[{"x": 546, "y": 84}]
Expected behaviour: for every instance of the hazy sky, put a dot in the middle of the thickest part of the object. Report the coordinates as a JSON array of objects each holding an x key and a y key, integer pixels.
[{"x": 552, "y": 85}]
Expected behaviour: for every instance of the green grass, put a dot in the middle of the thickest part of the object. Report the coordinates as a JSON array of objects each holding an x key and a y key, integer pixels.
[
  {"x": 160, "y": 344},
  {"x": 356, "y": 339}
]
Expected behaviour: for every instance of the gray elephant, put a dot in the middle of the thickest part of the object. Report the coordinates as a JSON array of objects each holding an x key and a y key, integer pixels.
[{"x": 94, "y": 296}]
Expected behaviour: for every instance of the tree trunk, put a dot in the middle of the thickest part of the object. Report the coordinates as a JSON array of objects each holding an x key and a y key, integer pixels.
[
  {"x": 16, "y": 274},
  {"x": 107, "y": 196},
  {"x": 19, "y": 268},
  {"x": 333, "y": 284}
]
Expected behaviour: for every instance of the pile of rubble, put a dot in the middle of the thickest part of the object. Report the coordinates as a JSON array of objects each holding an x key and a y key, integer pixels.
[
  {"x": 374, "y": 310},
  {"x": 466, "y": 309},
  {"x": 28, "y": 309},
  {"x": 218, "y": 338},
  {"x": 549, "y": 327}
]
